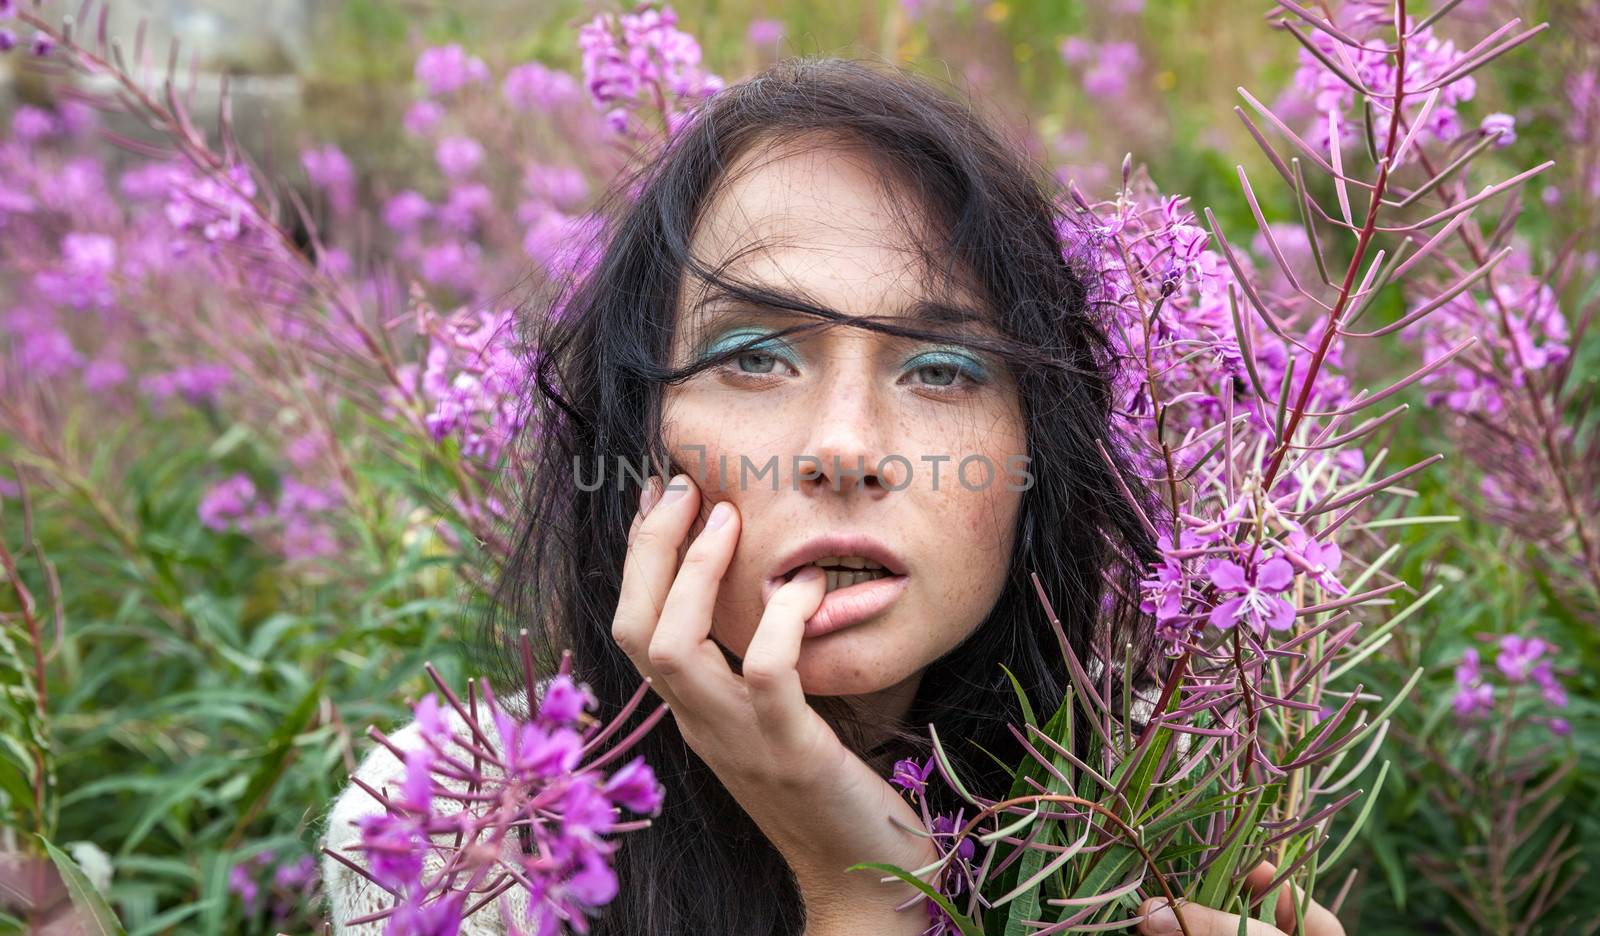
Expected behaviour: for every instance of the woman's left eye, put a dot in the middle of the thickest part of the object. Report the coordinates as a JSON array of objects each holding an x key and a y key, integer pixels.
[
  {"x": 764, "y": 356},
  {"x": 947, "y": 369}
]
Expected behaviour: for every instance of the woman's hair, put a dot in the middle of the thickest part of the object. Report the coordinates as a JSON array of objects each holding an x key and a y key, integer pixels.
[{"x": 986, "y": 220}]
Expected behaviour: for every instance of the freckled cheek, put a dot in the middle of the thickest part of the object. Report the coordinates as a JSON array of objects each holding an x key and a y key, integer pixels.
[
  {"x": 713, "y": 443},
  {"x": 977, "y": 547}
]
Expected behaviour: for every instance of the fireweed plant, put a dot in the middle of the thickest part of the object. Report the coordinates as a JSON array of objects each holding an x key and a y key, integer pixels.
[{"x": 1233, "y": 404}]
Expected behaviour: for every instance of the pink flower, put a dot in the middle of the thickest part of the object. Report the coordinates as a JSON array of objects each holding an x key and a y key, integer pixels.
[
  {"x": 227, "y": 502},
  {"x": 458, "y": 156},
  {"x": 1163, "y": 595},
  {"x": 1472, "y": 700},
  {"x": 447, "y": 69},
  {"x": 634, "y": 786},
  {"x": 1255, "y": 587},
  {"x": 911, "y": 775},
  {"x": 1075, "y": 50},
  {"x": 422, "y": 117},
  {"x": 563, "y": 701},
  {"x": 1518, "y": 655},
  {"x": 1114, "y": 67},
  {"x": 533, "y": 87},
  {"x": 1503, "y": 124},
  {"x": 764, "y": 32},
  {"x": 1321, "y": 560},
  {"x": 329, "y": 169},
  {"x": 32, "y": 124},
  {"x": 405, "y": 211}
]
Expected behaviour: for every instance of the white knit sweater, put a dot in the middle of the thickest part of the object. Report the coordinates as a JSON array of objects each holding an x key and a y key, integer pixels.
[{"x": 349, "y": 894}]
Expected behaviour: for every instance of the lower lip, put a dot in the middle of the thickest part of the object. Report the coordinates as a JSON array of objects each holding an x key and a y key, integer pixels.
[{"x": 853, "y": 604}]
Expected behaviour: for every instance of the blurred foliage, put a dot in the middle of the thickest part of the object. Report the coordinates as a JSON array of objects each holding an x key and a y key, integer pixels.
[{"x": 206, "y": 700}]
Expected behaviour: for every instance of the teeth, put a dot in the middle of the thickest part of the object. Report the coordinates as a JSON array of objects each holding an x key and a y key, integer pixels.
[
  {"x": 845, "y": 578},
  {"x": 848, "y": 562}
]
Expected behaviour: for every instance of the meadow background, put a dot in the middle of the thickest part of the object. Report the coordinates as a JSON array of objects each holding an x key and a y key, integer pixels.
[{"x": 225, "y": 561}]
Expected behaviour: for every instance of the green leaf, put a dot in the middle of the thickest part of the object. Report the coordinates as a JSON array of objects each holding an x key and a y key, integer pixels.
[
  {"x": 181, "y": 792},
  {"x": 949, "y": 769},
  {"x": 1217, "y": 885},
  {"x": 1026, "y": 907},
  {"x": 1389, "y": 860},
  {"x": 1114, "y": 863},
  {"x": 98, "y": 920},
  {"x": 1361, "y": 820},
  {"x": 966, "y": 924},
  {"x": 1022, "y": 697},
  {"x": 280, "y": 747}
]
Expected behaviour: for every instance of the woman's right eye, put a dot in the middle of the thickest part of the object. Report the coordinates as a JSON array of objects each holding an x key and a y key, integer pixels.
[{"x": 760, "y": 359}]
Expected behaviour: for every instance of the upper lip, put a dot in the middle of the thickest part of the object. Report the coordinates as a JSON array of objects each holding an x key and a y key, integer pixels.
[{"x": 840, "y": 544}]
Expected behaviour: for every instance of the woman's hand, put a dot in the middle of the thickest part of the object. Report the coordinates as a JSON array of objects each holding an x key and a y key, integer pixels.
[
  {"x": 820, "y": 805},
  {"x": 1203, "y": 921}
]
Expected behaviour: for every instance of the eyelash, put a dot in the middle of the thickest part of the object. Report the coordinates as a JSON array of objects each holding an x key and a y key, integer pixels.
[{"x": 967, "y": 368}]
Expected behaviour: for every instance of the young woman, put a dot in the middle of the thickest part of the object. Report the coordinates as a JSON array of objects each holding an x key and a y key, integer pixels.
[{"x": 837, "y": 316}]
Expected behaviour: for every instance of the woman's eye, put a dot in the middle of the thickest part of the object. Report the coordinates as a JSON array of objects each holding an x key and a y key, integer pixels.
[
  {"x": 946, "y": 369},
  {"x": 761, "y": 359},
  {"x": 763, "y": 362}
]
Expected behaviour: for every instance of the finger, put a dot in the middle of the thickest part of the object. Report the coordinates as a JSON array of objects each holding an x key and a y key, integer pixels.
[
  {"x": 1160, "y": 920},
  {"x": 774, "y": 652},
  {"x": 648, "y": 571},
  {"x": 681, "y": 650},
  {"x": 648, "y": 495},
  {"x": 1319, "y": 920}
]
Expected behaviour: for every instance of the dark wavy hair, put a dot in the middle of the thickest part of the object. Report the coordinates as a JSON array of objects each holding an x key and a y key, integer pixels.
[{"x": 988, "y": 221}]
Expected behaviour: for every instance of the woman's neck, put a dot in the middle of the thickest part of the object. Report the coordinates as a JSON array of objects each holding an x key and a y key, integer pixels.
[{"x": 886, "y": 710}]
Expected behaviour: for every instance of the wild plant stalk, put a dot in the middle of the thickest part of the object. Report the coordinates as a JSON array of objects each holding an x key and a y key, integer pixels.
[{"x": 1241, "y": 420}]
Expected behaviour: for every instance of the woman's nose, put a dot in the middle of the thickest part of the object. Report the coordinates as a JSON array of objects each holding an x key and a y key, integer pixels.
[{"x": 847, "y": 444}]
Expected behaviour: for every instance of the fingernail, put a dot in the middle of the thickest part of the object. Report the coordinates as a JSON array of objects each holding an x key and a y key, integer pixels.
[
  {"x": 647, "y": 497},
  {"x": 1160, "y": 922},
  {"x": 676, "y": 488},
  {"x": 807, "y": 573},
  {"x": 719, "y": 515}
]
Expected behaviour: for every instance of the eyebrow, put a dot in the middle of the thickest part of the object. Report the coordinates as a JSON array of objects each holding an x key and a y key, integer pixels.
[{"x": 923, "y": 309}]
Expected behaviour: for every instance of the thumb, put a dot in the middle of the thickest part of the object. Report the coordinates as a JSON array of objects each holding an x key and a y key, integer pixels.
[{"x": 1157, "y": 918}]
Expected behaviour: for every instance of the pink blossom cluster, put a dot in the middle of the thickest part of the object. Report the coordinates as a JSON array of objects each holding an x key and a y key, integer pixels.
[
  {"x": 1428, "y": 59},
  {"x": 1521, "y": 332},
  {"x": 1185, "y": 385},
  {"x": 1518, "y": 661},
  {"x": 292, "y": 884},
  {"x": 1210, "y": 579},
  {"x": 642, "y": 60},
  {"x": 445, "y": 70},
  {"x": 329, "y": 169},
  {"x": 470, "y": 380},
  {"x": 460, "y": 819},
  {"x": 299, "y": 521},
  {"x": 73, "y": 290},
  {"x": 445, "y": 239},
  {"x": 1109, "y": 68},
  {"x": 1173, "y": 296},
  {"x": 958, "y": 876}
]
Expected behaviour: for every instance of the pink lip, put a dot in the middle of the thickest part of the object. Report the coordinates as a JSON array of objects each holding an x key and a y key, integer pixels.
[{"x": 853, "y": 603}]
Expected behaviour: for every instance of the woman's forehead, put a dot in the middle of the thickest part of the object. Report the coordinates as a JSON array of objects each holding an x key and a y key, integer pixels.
[{"x": 822, "y": 220}]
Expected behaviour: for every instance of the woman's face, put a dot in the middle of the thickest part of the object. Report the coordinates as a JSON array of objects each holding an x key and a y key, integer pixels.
[{"x": 813, "y": 220}]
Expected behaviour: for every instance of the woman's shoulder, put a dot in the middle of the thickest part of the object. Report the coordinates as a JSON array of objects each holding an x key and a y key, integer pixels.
[{"x": 351, "y": 895}]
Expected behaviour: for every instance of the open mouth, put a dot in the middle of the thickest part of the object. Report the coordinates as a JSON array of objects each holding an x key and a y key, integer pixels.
[
  {"x": 845, "y": 571},
  {"x": 858, "y": 589}
]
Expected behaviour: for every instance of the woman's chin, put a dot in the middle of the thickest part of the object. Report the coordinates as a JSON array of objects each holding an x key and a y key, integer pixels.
[{"x": 846, "y": 664}]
